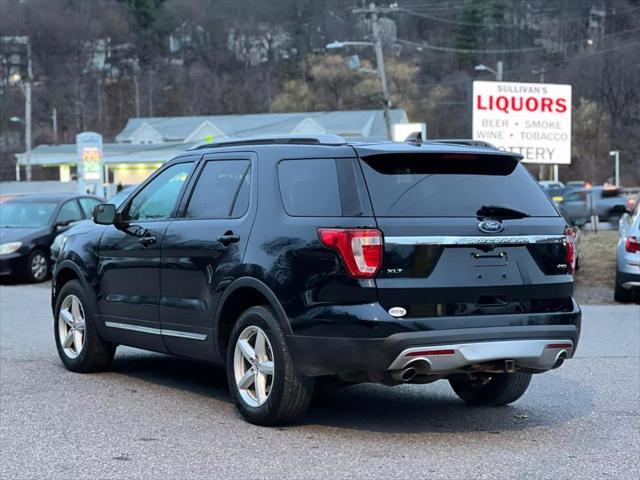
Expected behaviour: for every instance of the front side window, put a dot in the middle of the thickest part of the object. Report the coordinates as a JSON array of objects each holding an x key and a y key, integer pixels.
[
  {"x": 87, "y": 204},
  {"x": 70, "y": 212},
  {"x": 158, "y": 198},
  {"x": 222, "y": 190}
]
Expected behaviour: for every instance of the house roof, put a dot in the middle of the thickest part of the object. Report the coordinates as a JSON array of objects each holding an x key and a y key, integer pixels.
[
  {"x": 354, "y": 124},
  {"x": 113, "y": 153}
]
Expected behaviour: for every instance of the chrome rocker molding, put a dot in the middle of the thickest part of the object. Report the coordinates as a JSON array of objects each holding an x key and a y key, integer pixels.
[
  {"x": 156, "y": 331},
  {"x": 475, "y": 240},
  {"x": 534, "y": 354}
]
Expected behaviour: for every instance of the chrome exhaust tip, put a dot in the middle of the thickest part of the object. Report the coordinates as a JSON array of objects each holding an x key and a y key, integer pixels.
[
  {"x": 408, "y": 374},
  {"x": 560, "y": 358}
]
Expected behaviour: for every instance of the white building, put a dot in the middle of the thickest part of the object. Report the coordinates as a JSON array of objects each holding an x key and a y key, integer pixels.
[{"x": 146, "y": 143}]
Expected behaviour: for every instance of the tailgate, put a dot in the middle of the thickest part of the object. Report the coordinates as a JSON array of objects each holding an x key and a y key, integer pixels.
[{"x": 466, "y": 235}]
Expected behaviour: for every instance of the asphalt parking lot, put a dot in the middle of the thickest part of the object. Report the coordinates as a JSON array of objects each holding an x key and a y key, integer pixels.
[{"x": 154, "y": 416}]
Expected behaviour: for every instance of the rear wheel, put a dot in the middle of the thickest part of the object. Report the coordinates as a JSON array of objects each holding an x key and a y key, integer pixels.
[
  {"x": 621, "y": 294},
  {"x": 493, "y": 390},
  {"x": 267, "y": 388}
]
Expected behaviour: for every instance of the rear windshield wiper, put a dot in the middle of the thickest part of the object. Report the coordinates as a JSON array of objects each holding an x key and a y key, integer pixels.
[{"x": 494, "y": 211}]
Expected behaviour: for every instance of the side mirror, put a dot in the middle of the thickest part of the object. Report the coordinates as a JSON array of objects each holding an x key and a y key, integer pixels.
[
  {"x": 62, "y": 224},
  {"x": 104, "y": 214}
]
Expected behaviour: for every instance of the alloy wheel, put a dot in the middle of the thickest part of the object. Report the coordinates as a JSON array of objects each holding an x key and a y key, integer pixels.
[
  {"x": 253, "y": 366},
  {"x": 71, "y": 326},
  {"x": 39, "y": 267}
]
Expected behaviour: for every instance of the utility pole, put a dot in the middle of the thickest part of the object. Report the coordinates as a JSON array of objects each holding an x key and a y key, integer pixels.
[
  {"x": 373, "y": 10},
  {"x": 54, "y": 121},
  {"x": 150, "y": 92},
  {"x": 616, "y": 155},
  {"x": 499, "y": 70},
  {"x": 136, "y": 87}
]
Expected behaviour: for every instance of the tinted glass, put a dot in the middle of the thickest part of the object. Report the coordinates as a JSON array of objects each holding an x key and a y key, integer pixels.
[
  {"x": 218, "y": 188},
  {"x": 70, "y": 212},
  {"x": 26, "y": 214},
  {"x": 451, "y": 185},
  {"x": 309, "y": 188},
  {"x": 87, "y": 205},
  {"x": 158, "y": 198},
  {"x": 119, "y": 198}
]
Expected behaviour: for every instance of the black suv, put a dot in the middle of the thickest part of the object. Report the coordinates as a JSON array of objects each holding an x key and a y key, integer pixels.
[{"x": 298, "y": 261}]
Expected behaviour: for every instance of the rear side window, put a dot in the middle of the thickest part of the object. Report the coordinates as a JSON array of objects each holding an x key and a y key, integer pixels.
[
  {"x": 222, "y": 190},
  {"x": 451, "y": 185},
  {"x": 309, "y": 188}
]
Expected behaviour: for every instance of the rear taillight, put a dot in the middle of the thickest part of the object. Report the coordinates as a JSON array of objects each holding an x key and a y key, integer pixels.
[
  {"x": 632, "y": 245},
  {"x": 570, "y": 249},
  {"x": 360, "y": 249}
]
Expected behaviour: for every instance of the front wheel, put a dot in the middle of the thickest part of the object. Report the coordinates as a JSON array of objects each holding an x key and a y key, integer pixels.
[
  {"x": 495, "y": 390},
  {"x": 37, "y": 267},
  {"x": 266, "y": 387},
  {"x": 79, "y": 344}
]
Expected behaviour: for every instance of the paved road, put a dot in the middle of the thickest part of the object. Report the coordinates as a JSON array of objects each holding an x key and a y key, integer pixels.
[{"x": 155, "y": 416}]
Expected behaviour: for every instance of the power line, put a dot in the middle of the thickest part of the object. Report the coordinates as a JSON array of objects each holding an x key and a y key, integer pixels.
[
  {"x": 508, "y": 50},
  {"x": 467, "y": 50},
  {"x": 500, "y": 25}
]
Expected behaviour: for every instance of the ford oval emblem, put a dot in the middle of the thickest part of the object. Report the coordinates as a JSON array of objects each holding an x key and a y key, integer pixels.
[
  {"x": 397, "y": 312},
  {"x": 490, "y": 226}
]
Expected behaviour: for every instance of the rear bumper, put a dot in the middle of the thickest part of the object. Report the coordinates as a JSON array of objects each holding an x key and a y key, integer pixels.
[
  {"x": 629, "y": 281},
  {"x": 316, "y": 356}
]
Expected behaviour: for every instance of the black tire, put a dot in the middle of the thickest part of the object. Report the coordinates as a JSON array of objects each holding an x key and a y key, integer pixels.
[
  {"x": 37, "y": 268},
  {"x": 290, "y": 391},
  {"x": 620, "y": 294},
  {"x": 500, "y": 389},
  {"x": 95, "y": 354}
]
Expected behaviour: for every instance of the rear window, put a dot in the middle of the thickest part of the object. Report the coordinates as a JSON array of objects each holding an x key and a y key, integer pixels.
[
  {"x": 451, "y": 185},
  {"x": 309, "y": 188}
]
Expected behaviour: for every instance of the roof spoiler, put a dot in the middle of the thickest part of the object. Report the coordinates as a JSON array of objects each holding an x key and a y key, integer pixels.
[{"x": 416, "y": 138}]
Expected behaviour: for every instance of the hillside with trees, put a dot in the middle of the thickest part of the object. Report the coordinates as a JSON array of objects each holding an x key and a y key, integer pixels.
[{"x": 100, "y": 62}]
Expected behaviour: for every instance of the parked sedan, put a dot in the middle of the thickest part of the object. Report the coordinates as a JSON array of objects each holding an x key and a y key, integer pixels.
[
  {"x": 628, "y": 257},
  {"x": 28, "y": 225},
  {"x": 59, "y": 240}
]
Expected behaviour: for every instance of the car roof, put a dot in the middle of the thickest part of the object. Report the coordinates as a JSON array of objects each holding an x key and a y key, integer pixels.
[
  {"x": 293, "y": 142},
  {"x": 48, "y": 197}
]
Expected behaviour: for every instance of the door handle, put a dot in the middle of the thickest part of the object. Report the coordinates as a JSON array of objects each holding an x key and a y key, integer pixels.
[
  {"x": 146, "y": 241},
  {"x": 228, "y": 238}
]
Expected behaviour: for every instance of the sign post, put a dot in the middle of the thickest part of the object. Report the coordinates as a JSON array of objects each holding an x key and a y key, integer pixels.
[
  {"x": 533, "y": 119},
  {"x": 90, "y": 171}
]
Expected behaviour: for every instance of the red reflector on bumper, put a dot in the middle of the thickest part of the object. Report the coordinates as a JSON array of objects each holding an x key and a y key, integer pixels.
[
  {"x": 560, "y": 345},
  {"x": 427, "y": 353}
]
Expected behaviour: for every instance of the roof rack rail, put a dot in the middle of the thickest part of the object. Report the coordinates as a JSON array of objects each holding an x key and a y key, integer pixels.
[{"x": 325, "y": 139}]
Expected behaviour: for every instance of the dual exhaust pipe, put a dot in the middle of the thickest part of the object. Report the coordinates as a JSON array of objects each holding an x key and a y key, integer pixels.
[{"x": 422, "y": 367}]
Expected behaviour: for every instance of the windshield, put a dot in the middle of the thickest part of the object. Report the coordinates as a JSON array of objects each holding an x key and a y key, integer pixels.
[
  {"x": 453, "y": 185},
  {"x": 26, "y": 214}
]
